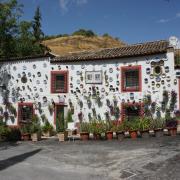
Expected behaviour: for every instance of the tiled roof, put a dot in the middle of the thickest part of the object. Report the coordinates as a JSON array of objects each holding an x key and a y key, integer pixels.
[{"x": 126, "y": 51}]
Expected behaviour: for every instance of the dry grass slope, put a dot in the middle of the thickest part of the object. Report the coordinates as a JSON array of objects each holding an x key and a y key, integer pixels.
[{"x": 65, "y": 45}]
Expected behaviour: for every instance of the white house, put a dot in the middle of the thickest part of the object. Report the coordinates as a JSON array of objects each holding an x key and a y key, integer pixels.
[{"x": 96, "y": 84}]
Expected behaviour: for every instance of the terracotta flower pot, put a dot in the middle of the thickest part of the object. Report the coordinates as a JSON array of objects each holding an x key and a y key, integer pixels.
[
  {"x": 36, "y": 137},
  {"x": 97, "y": 136},
  {"x": 159, "y": 132},
  {"x": 109, "y": 135},
  {"x": 120, "y": 135},
  {"x": 84, "y": 136},
  {"x": 172, "y": 131},
  {"x": 145, "y": 134},
  {"x": 133, "y": 134},
  {"x": 47, "y": 134},
  {"x": 25, "y": 136}
]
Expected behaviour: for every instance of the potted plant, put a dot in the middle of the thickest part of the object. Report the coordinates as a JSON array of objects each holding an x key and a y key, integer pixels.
[
  {"x": 4, "y": 131},
  {"x": 133, "y": 128},
  {"x": 35, "y": 128},
  {"x": 171, "y": 125},
  {"x": 60, "y": 127},
  {"x": 97, "y": 128},
  {"x": 109, "y": 132},
  {"x": 120, "y": 131},
  {"x": 25, "y": 132},
  {"x": 159, "y": 124},
  {"x": 47, "y": 129},
  {"x": 144, "y": 124},
  {"x": 84, "y": 131}
]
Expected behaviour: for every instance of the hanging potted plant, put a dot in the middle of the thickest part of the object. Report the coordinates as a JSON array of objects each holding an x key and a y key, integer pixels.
[
  {"x": 35, "y": 128},
  {"x": 84, "y": 131}
]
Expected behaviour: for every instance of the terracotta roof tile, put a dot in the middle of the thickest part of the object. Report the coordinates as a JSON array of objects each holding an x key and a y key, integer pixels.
[{"x": 111, "y": 53}]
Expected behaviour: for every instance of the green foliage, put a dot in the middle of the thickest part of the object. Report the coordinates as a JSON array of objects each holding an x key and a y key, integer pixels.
[
  {"x": 97, "y": 127},
  {"x": 37, "y": 32},
  {"x": 69, "y": 116},
  {"x": 19, "y": 38},
  {"x": 25, "y": 128},
  {"x": 144, "y": 123},
  {"x": 35, "y": 126},
  {"x": 60, "y": 123},
  {"x": 84, "y": 127},
  {"x": 4, "y": 130},
  {"x": 83, "y": 32},
  {"x": 47, "y": 127}
]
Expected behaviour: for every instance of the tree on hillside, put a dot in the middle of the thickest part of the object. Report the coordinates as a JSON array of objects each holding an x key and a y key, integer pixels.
[
  {"x": 9, "y": 14},
  {"x": 38, "y": 34},
  {"x": 83, "y": 32}
]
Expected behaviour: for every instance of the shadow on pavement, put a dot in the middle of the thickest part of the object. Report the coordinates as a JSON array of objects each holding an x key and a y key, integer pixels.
[{"x": 4, "y": 164}]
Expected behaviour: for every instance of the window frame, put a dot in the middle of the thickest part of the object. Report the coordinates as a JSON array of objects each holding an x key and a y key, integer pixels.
[
  {"x": 93, "y": 81},
  {"x": 53, "y": 80},
  {"x": 20, "y": 105},
  {"x": 123, "y": 78}
]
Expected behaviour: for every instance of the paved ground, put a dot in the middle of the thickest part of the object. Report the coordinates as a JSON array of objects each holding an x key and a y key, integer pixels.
[{"x": 153, "y": 158}]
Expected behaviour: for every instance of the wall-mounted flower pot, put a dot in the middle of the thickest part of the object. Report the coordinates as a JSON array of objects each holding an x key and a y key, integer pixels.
[
  {"x": 133, "y": 134},
  {"x": 84, "y": 136},
  {"x": 109, "y": 135}
]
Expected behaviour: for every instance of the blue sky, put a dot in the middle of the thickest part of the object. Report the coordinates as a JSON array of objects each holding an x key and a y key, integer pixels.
[{"x": 130, "y": 20}]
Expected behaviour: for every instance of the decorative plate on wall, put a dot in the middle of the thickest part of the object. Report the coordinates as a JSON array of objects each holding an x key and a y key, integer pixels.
[
  {"x": 145, "y": 80},
  {"x": 175, "y": 81},
  {"x": 41, "y": 90},
  {"x": 153, "y": 64},
  {"x": 29, "y": 74},
  {"x": 24, "y": 67},
  {"x": 102, "y": 90},
  {"x": 110, "y": 79},
  {"x": 162, "y": 82},
  {"x": 166, "y": 69},
  {"x": 148, "y": 70},
  {"x": 78, "y": 73},
  {"x": 158, "y": 79},
  {"x": 157, "y": 85},
  {"x": 153, "y": 83},
  {"x": 39, "y": 74},
  {"x": 163, "y": 75},
  {"x": 14, "y": 68},
  {"x": 151, "y": 76},
  {"x": 34, "y": 66},
  {"x": 82, "y": 66},
  {"x": 59, "y": 67},
  {"x": 72, "y": 67},
  {"x": 110, "y": 70},
  {"x": 78, "y": 81},
  {"x": 45, "y": 82},
  {"x": 147, "y": 61},
  {"x": 44, "y": 65},
  {"x": 161, "y": 63}
]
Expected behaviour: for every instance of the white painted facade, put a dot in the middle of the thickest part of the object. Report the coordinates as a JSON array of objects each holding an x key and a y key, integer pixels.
[{"x": 38, "y": 85}]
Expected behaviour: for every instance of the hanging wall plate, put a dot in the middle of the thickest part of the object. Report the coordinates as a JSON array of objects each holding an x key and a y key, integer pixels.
[
  {"x": 34, "y": 66},
  {"x": 45, "y": 82},
  {"x": 102, "y": 90},
  {"x": 166, "y": 69},
  {"x": 77, "y": 72},
  {"x": 153, "y": 83},
  {"x": 147, "y": 61},
  {"x": 157, "y": 85},
  {"x": 110, "y": 79},
  {"x": 163, "y": 75},
  {"x": 145, "y": 80},
  {"x": 148, "y": 70},
  {"x": 78, "y": 81},
  {"x": 14, "y": 68},
  {"x": 175, "y": 81},
  {"x": 168, "y": 79},
  {"x": 162, "y": 82},
  {"x": 29, "y": 74},
  {"x": 24, "y": 67},
  {"x": 153, "y": 64},
  {"x": 158, "y": 79},
  {"x": 82, "y": 66},
  {"x": 39, "y": 74},
  {"x": 110, "y": 70},
  {"x": 161, "y": 63},
  {"x": 44, "y": 65},
  {"x": 151, "y": 76}
]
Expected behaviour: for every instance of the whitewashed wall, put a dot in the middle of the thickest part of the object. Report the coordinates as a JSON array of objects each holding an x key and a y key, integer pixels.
[{"x": 39, "y": 87}]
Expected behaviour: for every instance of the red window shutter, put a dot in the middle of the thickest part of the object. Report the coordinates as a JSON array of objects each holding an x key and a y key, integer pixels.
[
  {"x": 65, "y": 82},
  {"x": 53, "y": 78},
  {"x": 19, "y": 113}
]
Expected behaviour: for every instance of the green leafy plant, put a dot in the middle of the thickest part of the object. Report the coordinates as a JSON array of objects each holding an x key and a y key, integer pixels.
[
  {"x": 97, "y": 127},
  {"x": 60, "y": 123},
  {"x": 84, "y": 127},
  {"x": 35, "y": 126},
  {"x": 25, "y": 128},
  {"x": 144, "y": 124},
  {"x": 47, "y": 127}
]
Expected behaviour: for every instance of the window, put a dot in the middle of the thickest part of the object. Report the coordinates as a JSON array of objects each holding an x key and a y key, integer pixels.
[
  {"x": 25, "y": 112},
  {"x": 59, "y": 82},
  {"x": 131, "y": 78},
  {"x": 93, "y": 77}
]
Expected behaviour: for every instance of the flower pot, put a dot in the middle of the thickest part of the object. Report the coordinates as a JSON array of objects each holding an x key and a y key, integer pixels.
[
  {"x": 172, "y": 131},
  {"x": 25, "y": 136},
  {"x": 61, "y": 137},
  {"x": 158, "y": 132},
  {"x": 145, "y": 134},
  {"x": 36, "y": 137},
  {"x": 47, "y": 134},
  {"x": 84, "y": 136},
  {"x": 120, "y": 135},
  {"x": 133, "y": 134},
  {"x": 166, "y": 132},
  {"x": 96, "y": 136},
  {"x": 151, "y": 133},
  {"x": 109, "y": 135}
]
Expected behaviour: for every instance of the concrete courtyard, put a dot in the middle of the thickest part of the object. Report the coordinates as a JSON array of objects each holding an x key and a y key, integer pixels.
[{"x": 152, "y": 158}]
